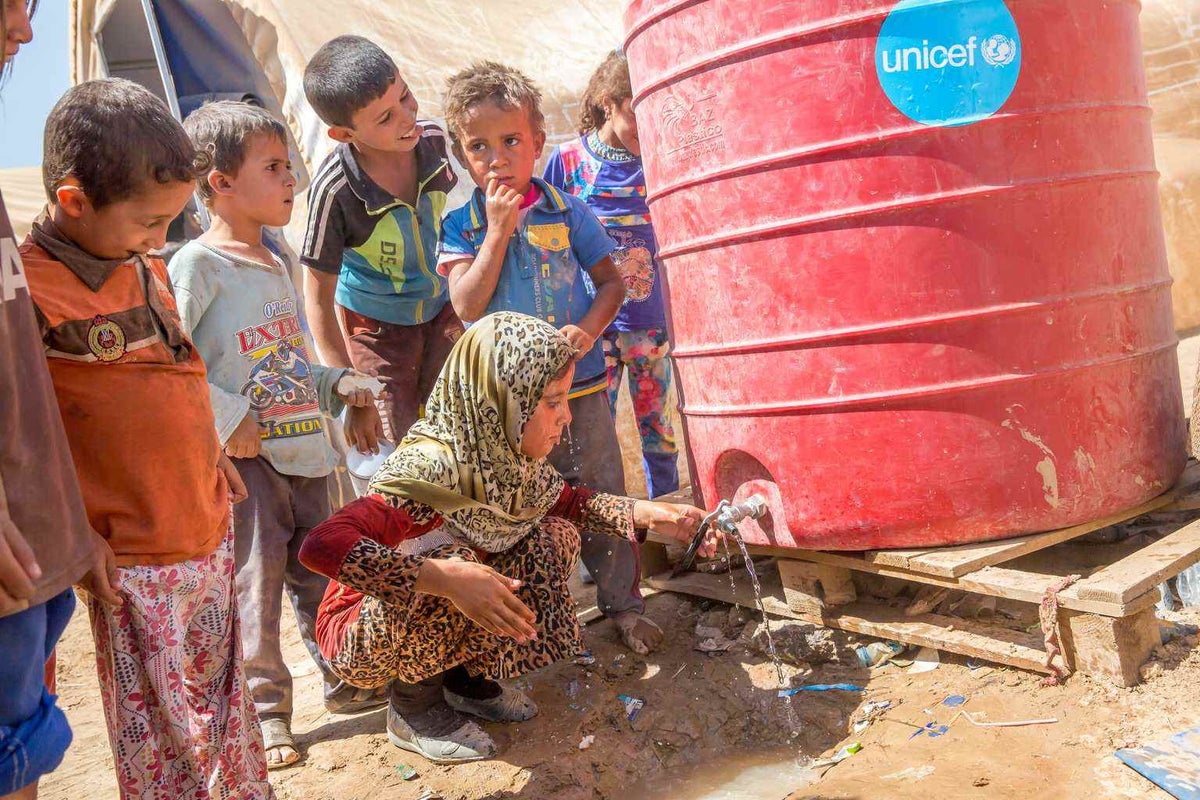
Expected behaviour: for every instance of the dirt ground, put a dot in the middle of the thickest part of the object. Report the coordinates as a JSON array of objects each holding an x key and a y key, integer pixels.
[{"x": 708, "y": 718}]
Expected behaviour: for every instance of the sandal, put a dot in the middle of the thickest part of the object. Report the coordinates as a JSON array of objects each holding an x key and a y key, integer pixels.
[
  {"x": 510, "y": 705},
  {"x": 278, "y": 742}
]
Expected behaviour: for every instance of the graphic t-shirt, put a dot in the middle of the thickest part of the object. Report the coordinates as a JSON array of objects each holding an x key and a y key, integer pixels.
[
  {"x": 244, "y": 317},
  {"x": 613, "y": 185}
]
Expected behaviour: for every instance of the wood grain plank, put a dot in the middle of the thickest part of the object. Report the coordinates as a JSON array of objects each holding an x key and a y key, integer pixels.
[
  {"x": 1145, "y": 569},
  {"x": 951, "y": 562}
]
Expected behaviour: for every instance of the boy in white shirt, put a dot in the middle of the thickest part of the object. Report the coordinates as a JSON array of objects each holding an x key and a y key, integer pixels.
[{"x": 238, "y": 304}]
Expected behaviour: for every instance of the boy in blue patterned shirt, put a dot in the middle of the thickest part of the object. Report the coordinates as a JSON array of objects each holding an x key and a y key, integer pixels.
[{"x": 522, "y": 245}]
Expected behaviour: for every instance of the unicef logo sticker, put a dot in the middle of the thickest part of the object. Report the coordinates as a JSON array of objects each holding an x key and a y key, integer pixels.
[{"x": 948, "y": 62}]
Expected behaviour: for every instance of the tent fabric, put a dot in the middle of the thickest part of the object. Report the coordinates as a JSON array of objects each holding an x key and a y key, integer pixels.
[
  {"x": 557, "y": 43},
  {"x": 24, "y": 197}
]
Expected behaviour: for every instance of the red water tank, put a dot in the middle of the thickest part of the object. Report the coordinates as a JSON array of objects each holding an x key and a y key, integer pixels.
[{"x": 914, "y": 261}]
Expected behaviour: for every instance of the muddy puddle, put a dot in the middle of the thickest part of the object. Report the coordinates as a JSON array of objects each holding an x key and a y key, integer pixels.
[{"x": 771, "y": 775}]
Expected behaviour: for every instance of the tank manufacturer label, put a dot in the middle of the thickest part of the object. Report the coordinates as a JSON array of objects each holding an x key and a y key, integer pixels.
[{"x": 948, "y": 62}]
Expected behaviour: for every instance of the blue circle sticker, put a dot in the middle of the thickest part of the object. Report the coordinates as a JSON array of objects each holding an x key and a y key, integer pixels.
[{"x": 948, "y": 62}]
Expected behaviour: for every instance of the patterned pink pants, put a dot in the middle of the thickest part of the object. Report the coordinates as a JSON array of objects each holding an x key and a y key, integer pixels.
[{"x": 181, "y": 721}]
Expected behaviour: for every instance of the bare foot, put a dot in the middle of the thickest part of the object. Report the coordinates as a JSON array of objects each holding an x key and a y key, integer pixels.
[
  {"x": 639, "y": 633},
  {"x": 279, "y": 744}
]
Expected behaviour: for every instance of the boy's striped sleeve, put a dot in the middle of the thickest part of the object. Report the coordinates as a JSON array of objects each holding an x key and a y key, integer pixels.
[{"x": 325, "y": 237}]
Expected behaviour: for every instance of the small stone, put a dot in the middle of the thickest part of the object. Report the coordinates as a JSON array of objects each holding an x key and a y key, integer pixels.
[{"x": 980, "y": 782}]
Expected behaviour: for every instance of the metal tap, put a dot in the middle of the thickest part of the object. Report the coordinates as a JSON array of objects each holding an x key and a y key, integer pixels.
[{"x": 725, "y": 517}]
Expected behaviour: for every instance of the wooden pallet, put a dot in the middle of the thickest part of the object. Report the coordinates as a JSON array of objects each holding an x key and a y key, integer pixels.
[{"x": 1106, "y": 619}]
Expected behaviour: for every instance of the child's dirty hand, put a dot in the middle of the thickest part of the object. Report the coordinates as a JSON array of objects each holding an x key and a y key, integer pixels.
[
  {"x": 580, "y": 339},
  {"x": 502, "y": 205},
  {"x": 364, "y": 428},
  {"x": 677, "y": 521},
  {"x": 18, "y": 566},
  {"x": 237, "y": 487},
  {"x": 102, "y": 579},
  {"x": 486, "y": 597},
  {"x": 358, "y": 389},
  {"x": 246, "y": 439}
]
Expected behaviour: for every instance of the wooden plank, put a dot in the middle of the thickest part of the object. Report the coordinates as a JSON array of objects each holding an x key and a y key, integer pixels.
[
  {"x": 952, "y": 562},
  {"x": 966, "y": 637},
  {"x": 1011, "y": 584},
  {"x": 1143, "y": 570}
]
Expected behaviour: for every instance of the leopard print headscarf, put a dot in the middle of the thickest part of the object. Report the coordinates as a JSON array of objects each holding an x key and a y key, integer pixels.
[{"x": 464, "y": 457}]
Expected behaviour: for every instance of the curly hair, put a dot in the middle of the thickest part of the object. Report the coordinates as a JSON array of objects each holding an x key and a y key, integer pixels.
[
  {"x": 609, "y": 86},
  {"x": 489, "y": 82}
]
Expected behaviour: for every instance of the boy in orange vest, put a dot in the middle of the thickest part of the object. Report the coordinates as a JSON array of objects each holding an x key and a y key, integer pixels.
[{"x": 135, "y": 404}]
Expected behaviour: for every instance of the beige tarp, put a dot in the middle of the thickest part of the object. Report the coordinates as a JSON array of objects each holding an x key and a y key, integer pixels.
[
  {"x": 24, "y": 196},
  {"x": 1171, "y": 38},
  {"x": 557, "y": 42}
]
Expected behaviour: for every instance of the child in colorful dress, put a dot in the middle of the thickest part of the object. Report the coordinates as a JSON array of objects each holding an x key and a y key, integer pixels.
[
  {"x": 603, "y": 167},
  {"x": 451, "y": 573}
]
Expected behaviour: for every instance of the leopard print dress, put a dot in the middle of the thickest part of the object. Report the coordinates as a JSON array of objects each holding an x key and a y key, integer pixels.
[{"x": 461, "y": 475}]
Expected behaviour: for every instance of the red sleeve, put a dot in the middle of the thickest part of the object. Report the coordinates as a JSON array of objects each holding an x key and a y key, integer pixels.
[
  {"x": 571, "y": 504},
  {"x": 326, "y": 546}
]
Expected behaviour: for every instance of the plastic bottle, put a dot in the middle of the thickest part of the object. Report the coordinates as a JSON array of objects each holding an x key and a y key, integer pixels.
[
  {"x": 1187, "y": 586},
  {"x": 1166, "y": 599},
  {"x": 876, "y": 653}
]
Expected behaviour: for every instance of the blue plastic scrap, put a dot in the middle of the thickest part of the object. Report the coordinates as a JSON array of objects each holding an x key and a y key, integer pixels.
[
  {"x": 954, "y": 701},
  {"x": 633, "y": 705},
  {"x": 933, "y": 729},
  {"x": 821, "y": 687}
]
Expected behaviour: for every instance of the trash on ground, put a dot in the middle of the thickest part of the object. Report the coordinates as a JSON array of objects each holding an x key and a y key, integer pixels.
[
  {"x": 709, "y": 632},
  {"x": 926, "y": 660},
  {"x": 430, "y": 794},
  {"x": 933, "y": 729},
  {"x": 954, "y": 701},
  {"x": 877, "y": 654},
  {"x": 585, "y": 658},
  {"x": 587, "y": 741},
  {"x": 1011, "y": 724},
  {"x": 572, "y": 687},
  {"x": 406, "y": 772},
  {"x": 838, "y": 757},
  {"x": 821, "y": 687},
  {"x": 870, "y": 711},
  {"x": 633, "y": 705},
  {"x": 1173, "y": 764}
]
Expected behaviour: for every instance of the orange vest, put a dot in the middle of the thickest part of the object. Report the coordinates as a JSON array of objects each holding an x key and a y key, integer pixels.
[{"x": 134, "y": 401}]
